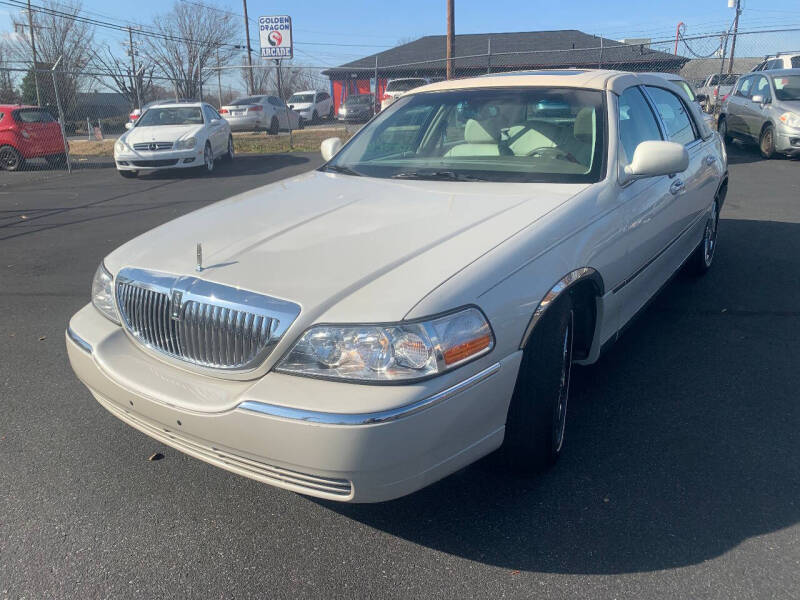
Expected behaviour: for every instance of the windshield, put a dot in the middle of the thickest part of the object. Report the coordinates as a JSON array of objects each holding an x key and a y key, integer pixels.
[
  {"x": 532, "y": 134},
  {"x": 403, "y": 85},
  {"x": 245, "y": 101},
  {"x": 362, "y": 99},
  {"x": 184, "y": 115},
  {"x": 787, "y": 87},
  {"x": 728, "y": 79},
  {"x": 301, "y": 99}
]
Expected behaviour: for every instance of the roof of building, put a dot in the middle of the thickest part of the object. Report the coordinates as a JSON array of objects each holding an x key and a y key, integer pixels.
[
  {"x": 701, "y": 68},
  {"x": 509, "y": 51}
]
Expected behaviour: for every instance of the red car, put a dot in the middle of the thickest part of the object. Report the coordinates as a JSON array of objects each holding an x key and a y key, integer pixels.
[{"x": 29, "y": 132}]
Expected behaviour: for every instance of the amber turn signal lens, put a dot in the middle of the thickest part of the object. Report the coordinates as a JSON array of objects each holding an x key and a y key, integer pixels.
[{"x": 467, "y": 349}]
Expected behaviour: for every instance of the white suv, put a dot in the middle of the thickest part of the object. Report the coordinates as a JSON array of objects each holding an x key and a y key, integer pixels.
[
  {"x": 397, "y": 87},
  {"x": 781, "y": 60},
  {"x": 312, "y": 105}
]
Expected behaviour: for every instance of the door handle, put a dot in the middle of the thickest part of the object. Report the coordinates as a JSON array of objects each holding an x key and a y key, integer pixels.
[
  {"x": 710, "y": 159},
  {"x": 676, "y": 187}
]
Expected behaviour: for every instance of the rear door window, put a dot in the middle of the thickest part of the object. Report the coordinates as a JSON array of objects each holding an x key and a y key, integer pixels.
[{"x": 33, "y": 115}]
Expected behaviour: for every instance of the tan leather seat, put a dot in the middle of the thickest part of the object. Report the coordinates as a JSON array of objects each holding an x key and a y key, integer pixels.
[{"x": 480, "y": 139}]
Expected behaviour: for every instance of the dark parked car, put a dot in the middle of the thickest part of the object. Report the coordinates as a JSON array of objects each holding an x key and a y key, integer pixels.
[
  {"x": 29, "y": 132},
  {"x": 360, "y": 107}
]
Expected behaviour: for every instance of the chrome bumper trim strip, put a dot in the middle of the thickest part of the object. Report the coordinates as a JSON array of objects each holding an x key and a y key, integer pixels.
[
  {"x": 82, "y": 343},
  {"x": 393, "y": 414}
]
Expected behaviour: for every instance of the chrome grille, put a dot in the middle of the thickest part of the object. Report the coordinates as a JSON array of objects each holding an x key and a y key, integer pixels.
[
  {"x": 152, "y": 146},
  {"x": 199, "y": 322}
]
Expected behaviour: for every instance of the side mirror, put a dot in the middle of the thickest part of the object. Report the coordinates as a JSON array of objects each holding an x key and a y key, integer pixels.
[
  {"x": 128, "y": 125},
  {"x": 328, "y": 148},
  {"x": 700, "y": 97},
  {"x": 654, "y": 158},
  {"x": 214, "y": 121}
]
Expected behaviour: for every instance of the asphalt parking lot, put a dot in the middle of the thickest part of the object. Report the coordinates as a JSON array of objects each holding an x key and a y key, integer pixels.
[{"x": 681, "y": 478}]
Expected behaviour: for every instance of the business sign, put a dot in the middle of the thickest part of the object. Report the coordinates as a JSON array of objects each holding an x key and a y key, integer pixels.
[{"x": 276, "y": 36}]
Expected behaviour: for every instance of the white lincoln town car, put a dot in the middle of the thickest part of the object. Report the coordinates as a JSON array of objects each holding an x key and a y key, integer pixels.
[{"x": 365, "y": 329}]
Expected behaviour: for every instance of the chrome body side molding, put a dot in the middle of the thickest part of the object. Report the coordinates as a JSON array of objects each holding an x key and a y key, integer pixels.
[
  {"x": 325, "y": 418},
  {"x": 82, "y": 343},
  {"x": 559, "y": 288}
]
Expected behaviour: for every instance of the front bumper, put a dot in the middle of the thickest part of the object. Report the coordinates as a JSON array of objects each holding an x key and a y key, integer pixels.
[
  {"x": 787, "y": 140},
  {"x": 159, "y": 160},
  {"x": 436, "y": 428}
]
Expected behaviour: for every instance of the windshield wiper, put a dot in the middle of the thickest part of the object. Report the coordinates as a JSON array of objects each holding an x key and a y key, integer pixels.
[
  {"x": 434, "y": 175},
  {"x": 342, "y": 170}
]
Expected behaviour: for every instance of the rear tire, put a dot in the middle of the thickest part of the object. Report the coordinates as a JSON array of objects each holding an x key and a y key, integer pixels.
[
  {"x": 128, "y": 174},
  {"x": 766, "y": 142},
  {"x": 273, "y": 127},
  {"x": 11, "y": 159},
  {"x": 231, "y": 152},
  {"x": 536, "y": 421}
]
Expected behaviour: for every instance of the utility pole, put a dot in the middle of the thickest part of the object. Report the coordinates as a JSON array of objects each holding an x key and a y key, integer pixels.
[
  {"x": 247, "y": 37},
  {"x": 33, "y": 49},
  {"x": 132, "y": 51},
  {"x": 735, "y": 29},
  {"x": 219, "y": 79},
  {"x": 451, "y": 35}
]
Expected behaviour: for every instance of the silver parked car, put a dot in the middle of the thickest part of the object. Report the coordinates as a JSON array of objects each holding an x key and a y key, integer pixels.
[
  {"x": 258, "y": 113},
  {"x": 765, "y": 108}
]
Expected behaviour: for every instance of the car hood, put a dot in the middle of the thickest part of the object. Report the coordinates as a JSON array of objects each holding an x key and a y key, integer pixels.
[
  {"x": 345, "y": 248},
  {"x": 160, "y": 133},
  {"x": 790, "y": 105}
]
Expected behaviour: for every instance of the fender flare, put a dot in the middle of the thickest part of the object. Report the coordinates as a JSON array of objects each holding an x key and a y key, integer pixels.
[{"x": 561, "y": 286}]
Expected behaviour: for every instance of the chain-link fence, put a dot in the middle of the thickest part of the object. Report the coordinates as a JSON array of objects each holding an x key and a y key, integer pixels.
[{"x": 72, "y": 118}]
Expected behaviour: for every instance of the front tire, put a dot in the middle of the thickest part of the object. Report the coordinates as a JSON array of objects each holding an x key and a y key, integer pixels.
[
  {"x": 314, "y": 118},
  {"x": 11, "y": 159},
  {"x": 766, "y": 142},
  {"x": 330, "y": 114},
  {"x": 722, "y": 128},
  {"x": 208, "y": 160},
  {"x": 703, "y": 256},
  {"x": 536, "y": 421}
]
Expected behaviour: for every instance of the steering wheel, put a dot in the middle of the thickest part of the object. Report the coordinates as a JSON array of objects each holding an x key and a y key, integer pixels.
[{"x": 554, "y": 152}]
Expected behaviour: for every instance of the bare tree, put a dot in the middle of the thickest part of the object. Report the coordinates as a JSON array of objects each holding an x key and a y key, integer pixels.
[
  {"x": 117, "y": 76},
  {"x": 59, "y": 35},
  {"x": 297, "y": 78},
  {"x": 262, "y": 79},
  {"x": 8, "y": 92},
  {"x": 189, "y": 38}
]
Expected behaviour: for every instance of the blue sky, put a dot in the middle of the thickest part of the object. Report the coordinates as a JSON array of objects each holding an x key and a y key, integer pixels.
[
  {"x": 332, "y": 32},
  {"x": 380, "y": 24}
]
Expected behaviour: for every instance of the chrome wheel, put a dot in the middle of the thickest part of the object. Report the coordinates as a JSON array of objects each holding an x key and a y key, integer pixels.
[
  {"x": 710, "y": 235},
  {"x": 208, "y": 159},
  {"x": 560, "y": 412}
]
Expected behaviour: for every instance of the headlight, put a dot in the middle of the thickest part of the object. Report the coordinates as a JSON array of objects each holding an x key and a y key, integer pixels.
[
  {"x": 103, "y": 293},
  {"x": 186, "y": 144},
  {"x": 791, "y": 119},
  {"x": 119, "y": 147},
  {"x": 387, "y": 353}
]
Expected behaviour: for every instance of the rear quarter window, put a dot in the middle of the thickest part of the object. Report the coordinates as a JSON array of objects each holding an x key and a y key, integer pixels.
[{"x": 33, "y": 115}]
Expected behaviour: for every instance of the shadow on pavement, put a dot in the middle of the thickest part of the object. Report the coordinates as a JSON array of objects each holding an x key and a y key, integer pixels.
[{"x": 682, "y": 440}]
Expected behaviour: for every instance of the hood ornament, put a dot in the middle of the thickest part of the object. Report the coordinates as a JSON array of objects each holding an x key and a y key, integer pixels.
[{"x": 199, "y": 266}]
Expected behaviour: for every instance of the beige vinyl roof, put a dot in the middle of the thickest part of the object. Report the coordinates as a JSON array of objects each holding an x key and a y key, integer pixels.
[{"x": 591, "y": 79}]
